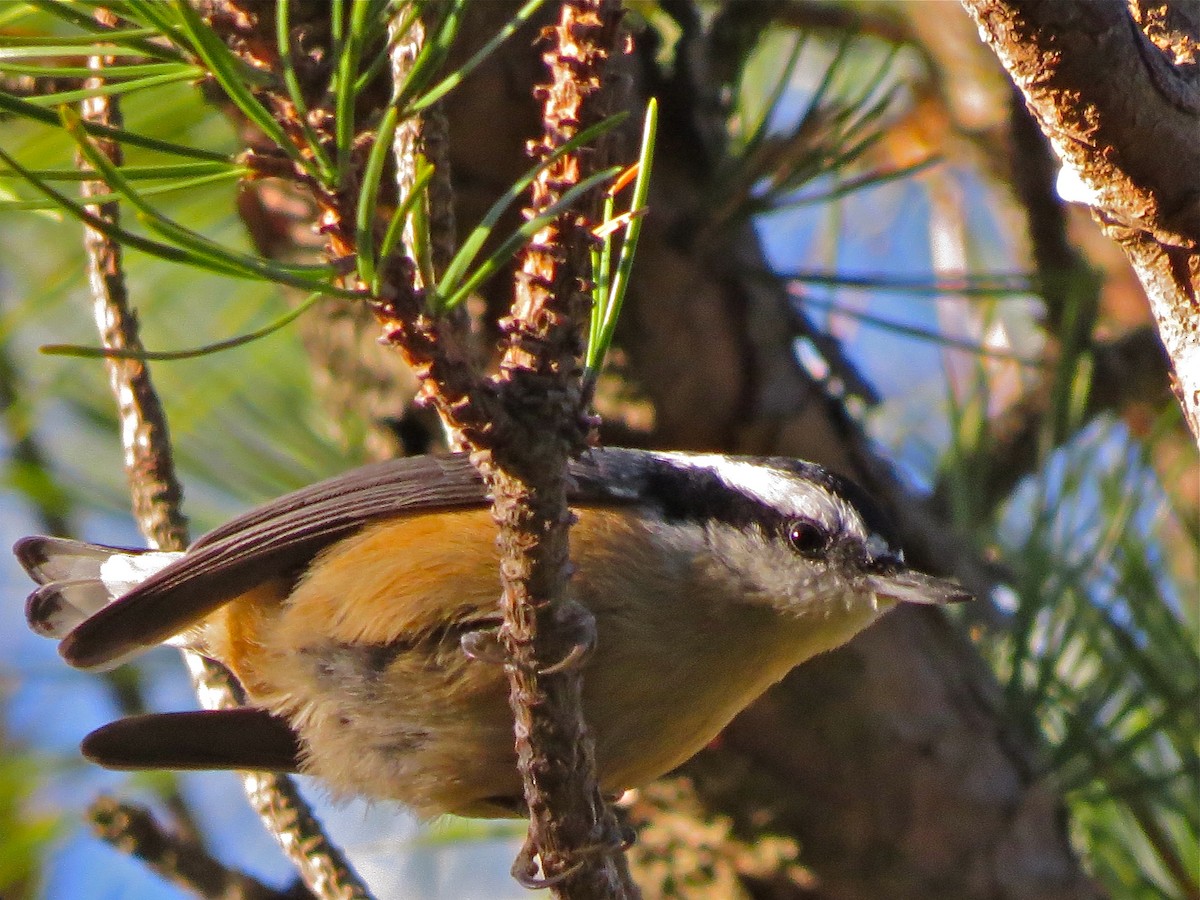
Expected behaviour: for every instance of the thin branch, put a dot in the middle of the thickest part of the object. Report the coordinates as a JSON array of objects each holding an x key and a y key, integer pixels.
[
  {"x": 133, "y": 830},
  {"x": 154, "y": 488},
  {"x": 524, "y": 424},
  {"x": 424, "y": 134},
  {"x": 157, "y": 499},
  {"x": 572, "y": 829}
]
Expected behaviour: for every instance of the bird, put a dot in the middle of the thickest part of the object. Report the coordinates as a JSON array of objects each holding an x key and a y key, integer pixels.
[{"x": 361, "y": 615}]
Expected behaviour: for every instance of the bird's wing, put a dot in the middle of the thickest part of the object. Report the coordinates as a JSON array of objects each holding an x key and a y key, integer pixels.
[{"x": 281, "y": 538}]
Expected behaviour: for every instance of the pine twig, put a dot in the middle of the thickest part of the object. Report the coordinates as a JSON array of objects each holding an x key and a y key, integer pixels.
[
  {"x": 570, "y": 824},
  {"x": 523, "y": 425},
  {"x": 424, "y": 135},
  {"x": 157, "y": 499},
  {"x": 133, "y": 830}
]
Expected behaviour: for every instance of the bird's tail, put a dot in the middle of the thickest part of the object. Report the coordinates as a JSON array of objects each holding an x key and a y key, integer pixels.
[{"x": 78, "y": 579}]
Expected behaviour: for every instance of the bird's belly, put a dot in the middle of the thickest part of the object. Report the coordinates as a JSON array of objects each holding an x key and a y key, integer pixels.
[{"x": 431, "y": 729}]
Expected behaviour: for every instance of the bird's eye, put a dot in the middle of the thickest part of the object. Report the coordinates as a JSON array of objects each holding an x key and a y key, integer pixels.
[{"x": 806, "y": 536}]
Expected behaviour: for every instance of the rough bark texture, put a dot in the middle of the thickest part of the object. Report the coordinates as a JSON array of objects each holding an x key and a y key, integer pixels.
[
  {"x": 154, "y": 488},
  {"x": 1122, "y": 112},
  {"x": 524, "y": 425},
  {"x": 539, "y": 384}
]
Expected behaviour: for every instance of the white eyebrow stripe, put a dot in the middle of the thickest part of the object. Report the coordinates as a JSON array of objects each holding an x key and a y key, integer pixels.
[{"x": 769, "y": 486}]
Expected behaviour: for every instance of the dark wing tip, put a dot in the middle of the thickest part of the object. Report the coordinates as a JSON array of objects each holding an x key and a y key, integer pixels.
[
  {"x": 49, "y": 614},
  {"x": 49, "y": 559},
  {"x": 31, "y": 553},
  {"x": 246, "y": 738},
  {"x": 83, "y": 648}
]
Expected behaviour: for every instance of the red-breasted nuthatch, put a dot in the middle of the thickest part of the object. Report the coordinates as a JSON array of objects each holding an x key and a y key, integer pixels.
[{"x": 349, "y": 611}]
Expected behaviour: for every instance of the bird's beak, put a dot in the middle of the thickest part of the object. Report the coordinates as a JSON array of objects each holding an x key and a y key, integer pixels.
[{"x": 909, "y": 586}]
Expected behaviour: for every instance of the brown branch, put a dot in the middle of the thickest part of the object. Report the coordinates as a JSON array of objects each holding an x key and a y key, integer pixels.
[
  {"x": 157, "y": 500},
  {"x": 1123, "y": 119},
  {"x": 424, "y": 135},
  {"x": 134, "y": 831},
  {"x": 524, "y": 425},
  {"x": 574, "y": 832},
  {"x": 154, "y": 488}
]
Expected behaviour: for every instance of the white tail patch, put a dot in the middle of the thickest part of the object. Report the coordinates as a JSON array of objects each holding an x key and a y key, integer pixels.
[
  {"x": 79, "y": 579},
  {"x": 122, "y": 572},
  {"x": 48, "y": 559}
]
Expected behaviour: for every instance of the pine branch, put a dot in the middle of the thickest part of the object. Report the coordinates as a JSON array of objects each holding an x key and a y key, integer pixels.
[
  {"x": 133, "y": 830},
  {"x": 1136, "y": 168},
  {"x": 157, "y": 501}
]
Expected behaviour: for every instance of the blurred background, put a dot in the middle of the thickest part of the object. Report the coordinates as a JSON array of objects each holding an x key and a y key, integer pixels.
[{"x": 857, "y": 253}]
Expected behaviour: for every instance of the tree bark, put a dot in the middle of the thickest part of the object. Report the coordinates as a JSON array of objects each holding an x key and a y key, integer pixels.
[{"x": 1121, "y": 105}]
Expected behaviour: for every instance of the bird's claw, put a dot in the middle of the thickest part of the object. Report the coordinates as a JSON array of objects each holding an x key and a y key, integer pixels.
[
  {"x": 487, "y": 645},
  {"x": 484, "y": 644},
  {"x": 578, "y": 622},
  {"x": 526, "y": 866}
]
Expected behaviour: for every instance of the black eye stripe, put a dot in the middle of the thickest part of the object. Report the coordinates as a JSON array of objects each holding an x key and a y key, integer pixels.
[{"x": 700, "y": 495}]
